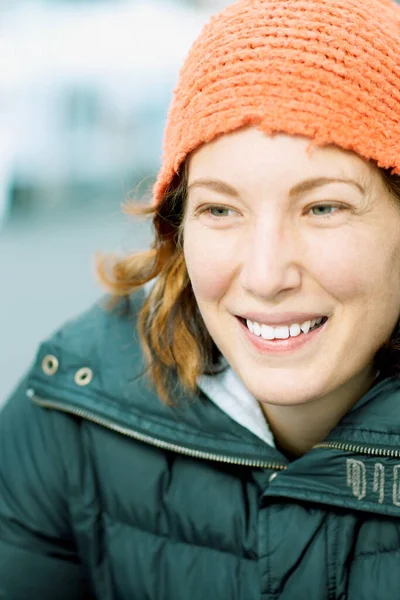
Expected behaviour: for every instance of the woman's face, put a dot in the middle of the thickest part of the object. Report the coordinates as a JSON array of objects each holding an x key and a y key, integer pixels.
[{"x": 278, "y": 234}]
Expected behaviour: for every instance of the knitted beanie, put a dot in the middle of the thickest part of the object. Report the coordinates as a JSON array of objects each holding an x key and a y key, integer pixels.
[{"x": 328, "y": 70}]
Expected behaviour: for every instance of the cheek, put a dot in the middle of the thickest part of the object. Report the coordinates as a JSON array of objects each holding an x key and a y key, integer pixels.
[
  {"x": 210, "y": 261},
  {"x": 366, "y": 265},
  {"x": 339, "y": 267},
  {"x": 209, "y": 272}
]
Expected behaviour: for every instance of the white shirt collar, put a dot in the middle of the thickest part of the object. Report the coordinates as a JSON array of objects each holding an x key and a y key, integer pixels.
[{"x": 229, "y": 393}]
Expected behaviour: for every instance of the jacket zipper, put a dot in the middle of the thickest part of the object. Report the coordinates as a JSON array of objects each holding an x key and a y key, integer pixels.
[
  {"x": 359, "y": 449},
  {"x": 67, "y": 408}
]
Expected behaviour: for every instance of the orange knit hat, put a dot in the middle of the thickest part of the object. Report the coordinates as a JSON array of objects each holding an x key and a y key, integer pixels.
[{"x": 325, "y": 69}]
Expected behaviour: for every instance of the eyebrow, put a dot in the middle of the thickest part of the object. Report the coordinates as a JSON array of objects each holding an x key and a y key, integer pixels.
[{"x": 298, "y": 190}]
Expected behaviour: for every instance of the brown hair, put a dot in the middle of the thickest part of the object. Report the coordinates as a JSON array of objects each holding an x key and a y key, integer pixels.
[
  {"x": 171, "y": 329},
  {"x": 173, "y": 334}
]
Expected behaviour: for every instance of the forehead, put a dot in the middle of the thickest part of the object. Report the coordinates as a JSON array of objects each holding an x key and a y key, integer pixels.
[{"x": 249, "y": 157}]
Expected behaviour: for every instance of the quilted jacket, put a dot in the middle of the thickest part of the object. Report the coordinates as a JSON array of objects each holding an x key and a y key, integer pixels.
[{"x": 107, "y": 493}]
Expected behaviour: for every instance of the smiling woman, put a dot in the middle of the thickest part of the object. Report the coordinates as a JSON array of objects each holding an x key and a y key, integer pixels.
[
  {"x": 279, "y": 266},
  {"x": 227, "y": 424}
]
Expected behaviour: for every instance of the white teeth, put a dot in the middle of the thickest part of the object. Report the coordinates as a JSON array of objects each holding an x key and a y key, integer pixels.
[
  {"x": 267, "y": 332},
  {"x": 257, "y": 330},
  {"x": 295, "y": 330},
  {"x": 250, "y": 325},
  {"x": 305, "y": 327},
  {"x": 282, "y": 332}
]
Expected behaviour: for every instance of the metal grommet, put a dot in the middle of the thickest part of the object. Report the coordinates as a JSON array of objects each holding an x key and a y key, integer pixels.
[
  {"x": 272, "y": 477},
  {"x": 84, "y": 376},
  {"x": 50, "y": 365}
]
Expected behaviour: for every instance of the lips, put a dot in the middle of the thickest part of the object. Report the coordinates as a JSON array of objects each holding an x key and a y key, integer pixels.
[
  {"x": 281, "y": 346},
  {"x": 282, "y": 332}
]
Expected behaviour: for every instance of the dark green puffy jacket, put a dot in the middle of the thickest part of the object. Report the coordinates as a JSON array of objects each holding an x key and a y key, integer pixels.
[{"x": 106, "y": 493}]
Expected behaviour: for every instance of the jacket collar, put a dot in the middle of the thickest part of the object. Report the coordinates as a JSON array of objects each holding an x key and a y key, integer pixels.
[
  {"x": 119, "y": 395},
  {"x": 360, "y": 458}
]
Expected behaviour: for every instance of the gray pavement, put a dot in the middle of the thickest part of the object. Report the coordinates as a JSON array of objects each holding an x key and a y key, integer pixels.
[{"x": 47, "y": 273}]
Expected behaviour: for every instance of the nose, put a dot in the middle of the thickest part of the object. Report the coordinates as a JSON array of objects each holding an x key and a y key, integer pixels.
[{"x": 271, "y": 263}]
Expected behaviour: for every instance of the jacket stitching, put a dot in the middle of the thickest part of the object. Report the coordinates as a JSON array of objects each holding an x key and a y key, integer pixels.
[
  {"x": 331, "y": 537},
  {"x": 174, "y": 540},
  {"x": 365, "y": 555}
]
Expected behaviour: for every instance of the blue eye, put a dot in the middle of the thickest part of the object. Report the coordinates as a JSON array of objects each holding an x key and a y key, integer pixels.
[
  {"x": 219, "y": 211},
  {"x": 323, "y": 210}
]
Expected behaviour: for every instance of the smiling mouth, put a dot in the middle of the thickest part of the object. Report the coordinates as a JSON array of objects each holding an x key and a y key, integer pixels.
[{"x": 283, "y": 332}]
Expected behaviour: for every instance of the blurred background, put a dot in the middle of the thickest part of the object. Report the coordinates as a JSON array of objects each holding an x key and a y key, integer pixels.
[{"x": 84, "y": 91}]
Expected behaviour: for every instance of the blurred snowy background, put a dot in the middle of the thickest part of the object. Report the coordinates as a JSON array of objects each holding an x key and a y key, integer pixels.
[{"x": 84, "y": 91}]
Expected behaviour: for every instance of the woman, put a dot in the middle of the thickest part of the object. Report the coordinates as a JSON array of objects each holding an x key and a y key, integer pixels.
[{"x": 231, "y": 429}]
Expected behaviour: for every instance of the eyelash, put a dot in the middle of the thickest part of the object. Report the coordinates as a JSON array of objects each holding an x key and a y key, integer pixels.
[
  {"x": 336, "y": 207},
  {"x": 208, "y": 209}
]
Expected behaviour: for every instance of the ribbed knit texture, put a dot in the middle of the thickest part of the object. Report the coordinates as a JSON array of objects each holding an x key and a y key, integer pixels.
[{"x": 325, "y": 69}]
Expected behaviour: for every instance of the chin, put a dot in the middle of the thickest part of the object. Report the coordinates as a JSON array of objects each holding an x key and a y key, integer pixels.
[{"x": 285, "y": 394}]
